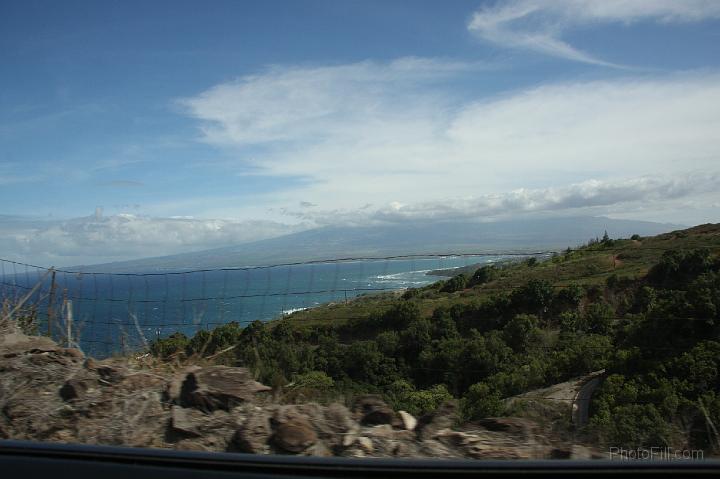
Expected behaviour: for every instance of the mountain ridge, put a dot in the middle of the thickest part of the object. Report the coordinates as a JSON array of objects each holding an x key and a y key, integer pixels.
[{"x": 396, "y": 239}]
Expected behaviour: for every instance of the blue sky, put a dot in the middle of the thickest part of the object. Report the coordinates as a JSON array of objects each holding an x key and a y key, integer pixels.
[{"x": 142, "y": 128}]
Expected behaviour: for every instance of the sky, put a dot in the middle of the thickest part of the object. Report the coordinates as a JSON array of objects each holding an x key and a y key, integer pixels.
[{"x": 132, "y": 128}]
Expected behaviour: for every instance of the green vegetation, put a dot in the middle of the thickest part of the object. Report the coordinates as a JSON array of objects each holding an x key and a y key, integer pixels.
[{"x": 646, "y": 310}]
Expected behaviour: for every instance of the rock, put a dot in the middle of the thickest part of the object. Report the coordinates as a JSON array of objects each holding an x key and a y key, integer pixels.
[
  {"x": 191, "y": 445},
  {"x": 510, "y": 425},
  {"x": 349, "y": 439},
  {"x": 442, "y": 418},
  {"x": 185, "y": 420},
  {"x": 142, "y": 382},
  {"x": 295, "y": 435},
  {"x": 381, "y": 430},
  {"x": 485, "y": 446},
  {"x": 337, "y": 428},
  {"x": 338, "y": 418},
  {"x": 253, "y": 435},
  {"x": 379, "y": 416},
  {"x": 434, "y": 448},
  {"x": 73, "y": 353},
  {"x": 219, "y": 387},
  {"x": 373, "y": 410},
  {"x": 110, "y": 374},
  {"x": 63, "y": 435},
  {"x": 366, "y": 444},
  {"x": 319, "y": 449},
  {"x": 90, "y": 364},
  {"x": 408, "y": 420},
  {"x": 15, "y": 343},
  {"x": 580, "y": 452},
  {"x": 74, "y": 389},
  {"x": 174, "y": 386}
]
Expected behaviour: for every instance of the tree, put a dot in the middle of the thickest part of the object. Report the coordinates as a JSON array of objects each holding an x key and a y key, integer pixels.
[
  {"x": 533, "y": 298},
  {"x": 520, "y": 331}
]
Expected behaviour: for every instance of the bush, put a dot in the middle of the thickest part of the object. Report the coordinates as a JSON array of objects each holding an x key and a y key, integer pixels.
[
  {"x": 313, "y": 380},
  {"x": 481, "y": 401},
  {"x": 483, "y": 275},
  {"x": 403, "y": 396},
  {"x": 533, "y": 298},
  {"x": 165, "y": 347},
  {"x": 456, "y": 283}
]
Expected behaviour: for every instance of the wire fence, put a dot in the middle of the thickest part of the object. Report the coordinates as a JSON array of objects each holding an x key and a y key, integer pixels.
[{"x": 106, "y": 313}]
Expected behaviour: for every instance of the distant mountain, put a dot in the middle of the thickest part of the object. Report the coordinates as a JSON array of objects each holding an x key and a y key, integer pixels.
[{"x": 397, "y": 239}]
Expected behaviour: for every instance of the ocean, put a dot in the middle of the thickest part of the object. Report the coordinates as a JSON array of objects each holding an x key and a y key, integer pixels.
[{"x": 114, "y": 313}]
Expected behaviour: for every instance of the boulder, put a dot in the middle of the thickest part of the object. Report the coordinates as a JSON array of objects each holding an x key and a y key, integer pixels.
[
  {"x": 365, "y": 444},
  {"x": 510, "y": 425},
  {"x": 442, "y": 418},
  {"x": 74, "y": 388},
  {"x": 408, "y": 420},
  {"x": 185, "y": 421},
  {"x": 174, "y": 386},
  {"x": 373, "y": 410},
  {"x": 15, "y": 343},
  {"x": 294, "y": 435},
  {"x": 110, "y": 374},
  {"x": 141, "y": 381},
  {"x": 219, "y": 387},
  {"x": 253, "y": 435}
]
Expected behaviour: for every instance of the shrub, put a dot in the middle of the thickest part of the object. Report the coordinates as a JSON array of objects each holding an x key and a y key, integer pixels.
[
  {"x": 165, "y": 347},
  {"x": 403, "y": 396},
  {"x": 481, "y": 401},
  {"x": 483, "y": 275},
  {"x": 456, "y": 283}
]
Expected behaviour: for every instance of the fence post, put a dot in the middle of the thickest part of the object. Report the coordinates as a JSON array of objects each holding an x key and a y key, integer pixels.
[
  {"x": 51, "y": 301},
  {"x": 68, "y": 321}
]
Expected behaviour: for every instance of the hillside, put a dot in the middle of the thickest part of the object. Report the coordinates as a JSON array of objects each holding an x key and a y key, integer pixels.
[{"x": 643, "y": 309}]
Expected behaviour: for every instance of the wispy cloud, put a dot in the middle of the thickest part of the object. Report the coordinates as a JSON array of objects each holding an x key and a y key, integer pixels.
[
  {"x": 122, "y": 184},
  {"x": 538, "y": 25},
  {"x": 382, "y": 133},
  {"x": 297, "y": 104}
]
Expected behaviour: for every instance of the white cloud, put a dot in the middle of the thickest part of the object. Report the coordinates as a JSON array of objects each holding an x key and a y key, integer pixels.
[
  {"x": 382, "y": 133},
  {"x": 588, "y": 197},
  {"x": 294, "y": 104},
  {"x": 538, "y": 25},
  {"x": 119, "y": 237}
]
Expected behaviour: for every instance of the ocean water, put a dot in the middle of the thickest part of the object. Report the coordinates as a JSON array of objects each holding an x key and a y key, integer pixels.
[{"x": 119, "y": 313}]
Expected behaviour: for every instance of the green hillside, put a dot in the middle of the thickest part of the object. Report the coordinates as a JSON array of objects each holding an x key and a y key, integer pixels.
[{"x": 644, "y": 309}]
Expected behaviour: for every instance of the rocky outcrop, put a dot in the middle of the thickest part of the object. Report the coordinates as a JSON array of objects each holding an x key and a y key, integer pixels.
[
  {"x": 50, "y": 393},
  {"x": 218, "y": 387}
]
